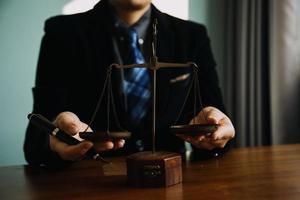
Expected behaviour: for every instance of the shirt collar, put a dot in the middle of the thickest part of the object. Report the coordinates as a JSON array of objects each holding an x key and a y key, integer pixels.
[{"x": 141, "y": 26}]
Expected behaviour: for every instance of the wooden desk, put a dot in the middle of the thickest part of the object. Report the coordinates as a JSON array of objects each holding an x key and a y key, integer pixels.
[{"x": 247, "y": 173}]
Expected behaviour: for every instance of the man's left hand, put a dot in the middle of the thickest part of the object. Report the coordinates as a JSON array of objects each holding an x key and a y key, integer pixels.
[{"x": 217, "y": 139}]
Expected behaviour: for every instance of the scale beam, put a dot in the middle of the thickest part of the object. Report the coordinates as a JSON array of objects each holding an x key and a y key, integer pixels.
[{"x": 155, "y": 66}]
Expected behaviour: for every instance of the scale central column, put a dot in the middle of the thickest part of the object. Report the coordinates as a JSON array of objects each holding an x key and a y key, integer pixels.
[{"x": 154, "y": 110}]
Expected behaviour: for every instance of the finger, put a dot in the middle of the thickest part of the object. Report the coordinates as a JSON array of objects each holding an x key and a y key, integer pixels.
[
  {"x": 224, "y": 131},
  {"x": 203, "y": 145},
  {"x": 119, "y": 144},
  {"x": 193, "y": 139},
  {"x": 201, "y": 137},
  {"x": 219, "y": 143},
  {"x": 68, "y": 122},
  {"x": 199, "y": 141},
  {"x": 104, "y": 146},
  {"x": 70, "y": 152},
  {"x": 77, "y": 152},
  {"x": 184, "y": 137}
]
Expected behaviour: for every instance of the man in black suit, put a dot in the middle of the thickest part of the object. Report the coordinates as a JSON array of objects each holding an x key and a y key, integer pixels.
[{"x": 75, "y": 53}]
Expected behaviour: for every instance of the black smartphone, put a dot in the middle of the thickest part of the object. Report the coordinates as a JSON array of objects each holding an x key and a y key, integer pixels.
[
  {"x": 194, "y": 130},
  {"x": 100, "y": 136}
]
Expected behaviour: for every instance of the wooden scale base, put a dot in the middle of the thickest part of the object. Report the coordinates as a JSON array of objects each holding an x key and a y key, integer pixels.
[{"x": 159, "y": 169}]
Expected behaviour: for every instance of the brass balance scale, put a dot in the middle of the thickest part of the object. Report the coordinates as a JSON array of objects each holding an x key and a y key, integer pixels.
[{"x": 150, "y": 168}]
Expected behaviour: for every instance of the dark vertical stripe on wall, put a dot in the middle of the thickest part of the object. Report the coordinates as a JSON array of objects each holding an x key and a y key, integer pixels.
[
  {"x": 229, "y": 73},
  {"x": 266, "y": 125},
  {"x": 247, "y": 89}
]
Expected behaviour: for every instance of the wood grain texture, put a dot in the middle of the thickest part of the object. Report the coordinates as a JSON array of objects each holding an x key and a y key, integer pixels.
[{"x": 247, "y": 173}]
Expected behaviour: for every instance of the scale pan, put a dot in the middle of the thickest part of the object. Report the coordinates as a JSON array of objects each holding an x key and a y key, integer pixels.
[
  {"x": 195, "y": 129},
  {"x": 100, "y": 136}
]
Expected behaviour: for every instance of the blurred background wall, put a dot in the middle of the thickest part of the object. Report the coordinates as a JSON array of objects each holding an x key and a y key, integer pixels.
[{"x": 21, "y": 29}]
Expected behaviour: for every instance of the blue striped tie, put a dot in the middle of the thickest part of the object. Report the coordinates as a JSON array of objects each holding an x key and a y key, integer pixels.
[{"x": 136, "y": 84}]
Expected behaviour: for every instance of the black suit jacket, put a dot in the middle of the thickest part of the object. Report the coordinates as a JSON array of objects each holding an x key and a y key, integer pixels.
[{"x": 75, "y": 53}]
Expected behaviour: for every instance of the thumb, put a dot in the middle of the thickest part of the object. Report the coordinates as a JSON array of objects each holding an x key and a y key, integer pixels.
[
  {"x": 212, "y": 120},
  {"x": 214, "y": 116},
  {"x": 68, "y": 122}
]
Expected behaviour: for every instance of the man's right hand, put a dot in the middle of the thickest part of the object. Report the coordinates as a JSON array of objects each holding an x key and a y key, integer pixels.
[{"x": 71, "y": 124}]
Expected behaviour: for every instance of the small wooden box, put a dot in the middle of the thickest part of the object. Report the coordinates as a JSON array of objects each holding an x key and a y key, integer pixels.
[{"x": 161, "y": 169}]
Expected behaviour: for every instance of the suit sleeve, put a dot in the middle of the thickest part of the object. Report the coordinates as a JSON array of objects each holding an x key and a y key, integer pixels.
[
  {"x": 50, "y": 96},
  {"x": 209, "y": 86},
  {"x": 208, "y": 77}
]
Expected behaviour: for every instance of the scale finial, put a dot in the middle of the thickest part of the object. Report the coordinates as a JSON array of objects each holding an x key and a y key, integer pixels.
[{"x": 154, "y": 37}]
